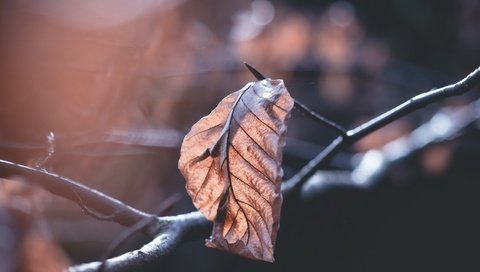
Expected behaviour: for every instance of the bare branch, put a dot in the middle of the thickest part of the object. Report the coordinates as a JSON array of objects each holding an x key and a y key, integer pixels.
[
  {"x": 127, "y": 234},
  {"x": 415, "y": 103},
  {"x": 104, "y": 207},
  {"x": 319, "y": 118},
  {"x": 375, "y": 163},
  {"x": 353, "y": 135},
  {"x": 360, "y": 177},
  {"x": 190, "y": 226},
  {"x": 173, "y": 229}
]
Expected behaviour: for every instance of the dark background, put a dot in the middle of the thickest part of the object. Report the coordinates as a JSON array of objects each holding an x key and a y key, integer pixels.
[{"x": 119, "y": 83}]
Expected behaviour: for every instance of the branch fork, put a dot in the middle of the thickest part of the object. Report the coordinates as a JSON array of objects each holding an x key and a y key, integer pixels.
[{"x": 170, "y": 231}]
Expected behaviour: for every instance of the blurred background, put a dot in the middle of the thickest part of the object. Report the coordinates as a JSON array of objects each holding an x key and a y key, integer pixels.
[{"x": 103, "y": 91}]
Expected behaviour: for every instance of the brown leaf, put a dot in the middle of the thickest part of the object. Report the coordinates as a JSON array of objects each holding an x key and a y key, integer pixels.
[{"x": 231, "y": 160}]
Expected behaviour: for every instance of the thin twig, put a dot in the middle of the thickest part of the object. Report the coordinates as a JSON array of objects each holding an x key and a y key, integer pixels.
[
  {"x": 459, "y": 121},
  {"x": 319, "y": 118},
  {"x": 353, "y": 135},
  {"x": 374, "y": 164},
  {"x": 185, "y": 227},
  {"x": 255, "y": 72},
  {"x": 302, "y": 108},
  {"x": 76, "y": 192},
  {"x": 92, "y": 213},
  {"x": 414, "y": 103}
]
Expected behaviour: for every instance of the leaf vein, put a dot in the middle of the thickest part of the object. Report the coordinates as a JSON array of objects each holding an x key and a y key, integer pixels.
[
  {"x": 258, "y": 118},
  {"x": 206, "y": 130},
  {"x": 253, "y": 208},
  {"x": 248, "y": 220},
  {"x": 234, "y": 221},
  {"x": 250, "y": 186},
  {"x": 253, "y": 166},
  {"x": 243, "y": 212},
  {"x": 204, "y": 180},
  {"x": 256, "y": 143}
]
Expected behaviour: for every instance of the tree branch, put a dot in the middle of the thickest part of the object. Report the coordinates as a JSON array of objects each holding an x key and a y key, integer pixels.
[
  {"x": 414, "y": 103},
  {"x": 175, "y": 229},
  {"x": 375, "y": 163},
  {"x": 87, "y": 198},
  {"x": 140, "y": 225},
  {"x": 321, "y": 160},
  {"x": 361, "y": 177},
  {"x": 319, "y": 118}
]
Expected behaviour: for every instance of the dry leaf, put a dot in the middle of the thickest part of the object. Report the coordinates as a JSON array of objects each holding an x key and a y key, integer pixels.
[{"x": 231, "y": 160}]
